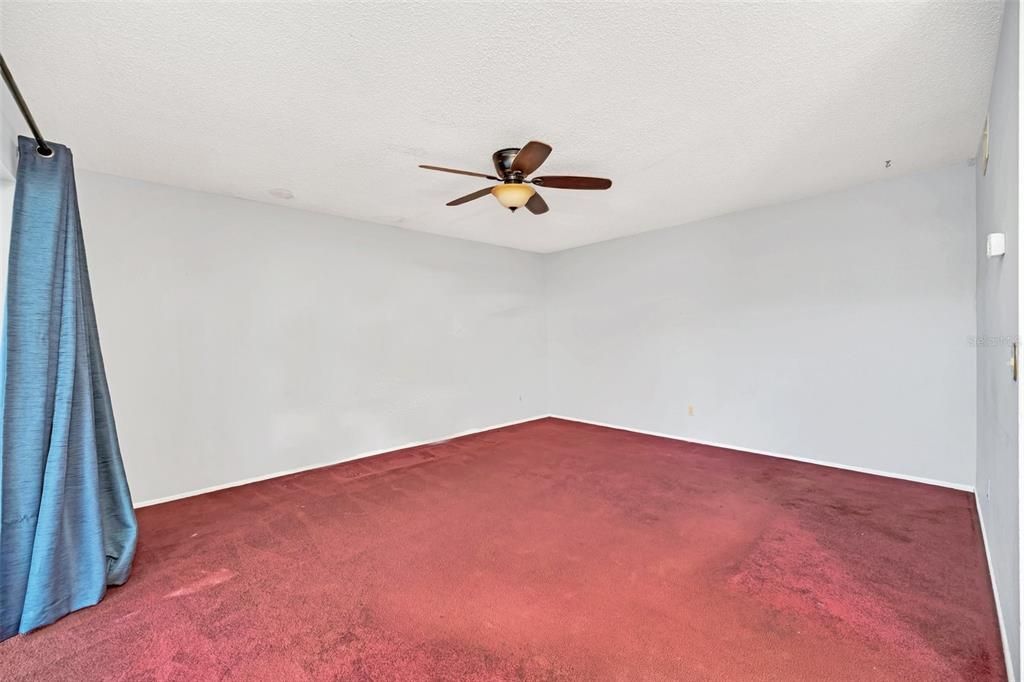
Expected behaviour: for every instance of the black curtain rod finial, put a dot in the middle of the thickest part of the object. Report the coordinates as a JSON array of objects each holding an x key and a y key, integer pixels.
[{"x": 41, "y": 146}]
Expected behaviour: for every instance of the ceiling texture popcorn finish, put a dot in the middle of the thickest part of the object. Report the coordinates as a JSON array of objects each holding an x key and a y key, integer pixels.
[{"x": 695, "y": 109}]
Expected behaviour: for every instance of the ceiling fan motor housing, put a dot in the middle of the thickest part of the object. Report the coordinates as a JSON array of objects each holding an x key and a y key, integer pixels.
[{"x": 503, "y": 159}]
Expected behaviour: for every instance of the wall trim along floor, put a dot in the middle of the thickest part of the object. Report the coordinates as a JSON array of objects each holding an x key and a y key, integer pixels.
[
  {"x": 995, "y": 594},
  {"x": 348, "y": 458},
  {"x": 371, "y": 453},
  {"x": 834, "y": 465}
]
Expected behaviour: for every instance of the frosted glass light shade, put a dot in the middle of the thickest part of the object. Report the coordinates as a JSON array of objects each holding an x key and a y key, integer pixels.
[{"x": 513, "y": 195}]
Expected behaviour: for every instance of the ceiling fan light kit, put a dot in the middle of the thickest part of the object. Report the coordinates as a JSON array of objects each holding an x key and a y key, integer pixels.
[
  {"x": 513, "y": 165},
  {"x": 513, "y": 195}
]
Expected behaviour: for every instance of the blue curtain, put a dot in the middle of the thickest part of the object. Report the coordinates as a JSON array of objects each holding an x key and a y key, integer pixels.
[{"x": 68, "y": 528}]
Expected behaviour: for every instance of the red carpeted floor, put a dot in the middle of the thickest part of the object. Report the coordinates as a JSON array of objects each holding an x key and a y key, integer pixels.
[{"x": 545, "y": 551}]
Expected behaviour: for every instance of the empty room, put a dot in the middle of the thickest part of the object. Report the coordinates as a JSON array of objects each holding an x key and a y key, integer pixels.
[{"x": 448, "y": 340}]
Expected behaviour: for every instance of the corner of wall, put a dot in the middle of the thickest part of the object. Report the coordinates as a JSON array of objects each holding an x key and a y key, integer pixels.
[{"x": 545, "y": 262}]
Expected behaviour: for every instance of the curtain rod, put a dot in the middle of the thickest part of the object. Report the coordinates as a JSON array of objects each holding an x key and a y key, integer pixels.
[{"x": 42, "y": 148}]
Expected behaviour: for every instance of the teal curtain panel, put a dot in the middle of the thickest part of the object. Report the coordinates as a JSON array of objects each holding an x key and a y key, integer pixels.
[{"x": 69, "y": 529}]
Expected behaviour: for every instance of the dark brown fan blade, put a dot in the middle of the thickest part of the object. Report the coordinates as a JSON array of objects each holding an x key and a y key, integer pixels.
[
  {"x": 536, "y": 205},
  {"x": 470, "y": 197},
  {"x": 460, "y": 172},
  {"x": 530, "y": 157},
  {"x": 572, "y": 182}
]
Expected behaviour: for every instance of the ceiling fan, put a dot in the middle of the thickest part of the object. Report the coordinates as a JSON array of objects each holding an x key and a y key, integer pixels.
[{"x": 514, "y": 191}]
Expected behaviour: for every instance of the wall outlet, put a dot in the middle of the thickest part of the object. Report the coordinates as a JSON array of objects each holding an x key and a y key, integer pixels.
[{"x": 689, "y": 410}]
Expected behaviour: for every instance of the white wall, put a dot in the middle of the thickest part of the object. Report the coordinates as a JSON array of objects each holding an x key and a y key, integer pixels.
[
  {"x": 243, "y": 339},
  {"x": 8, "y": 168},
  {"x": 10, "y": 119},
  {"x": 834, "y": 328},
  {"x": 8, "y": 145},
  {"x": 254, "y": 339},
  {"x": 998, "y": 284}
]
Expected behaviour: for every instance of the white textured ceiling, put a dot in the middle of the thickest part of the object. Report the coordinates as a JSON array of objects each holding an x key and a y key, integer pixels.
[{"x": 693, "y": 109}]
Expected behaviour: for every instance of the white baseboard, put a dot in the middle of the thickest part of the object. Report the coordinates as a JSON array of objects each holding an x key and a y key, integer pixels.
[
  {"x": 349, "y": 458},
  {"x": 995, "y": 594},
  {"x": 371, "y": 453},
  {"x": 834, "y": 465}
]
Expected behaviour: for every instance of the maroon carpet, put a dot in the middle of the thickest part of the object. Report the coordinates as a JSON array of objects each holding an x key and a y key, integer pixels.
[{"x": 550, "y": 550}]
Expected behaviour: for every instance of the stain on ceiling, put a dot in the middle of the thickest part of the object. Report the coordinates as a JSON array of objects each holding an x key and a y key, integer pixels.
[{"x": 692, "y": 109}]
